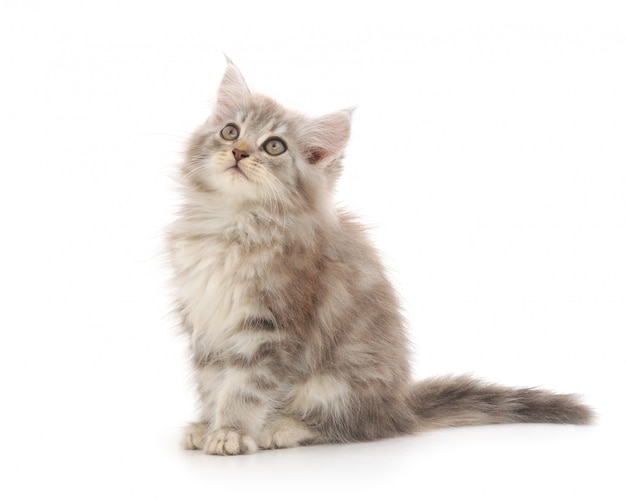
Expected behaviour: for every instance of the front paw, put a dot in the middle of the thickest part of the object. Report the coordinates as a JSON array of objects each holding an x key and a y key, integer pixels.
[{"x": 229, "y": 443}]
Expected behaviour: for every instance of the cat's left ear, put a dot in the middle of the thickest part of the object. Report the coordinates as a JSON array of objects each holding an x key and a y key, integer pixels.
[
  {"x": 323, "y": 139},
  {"x": 232, "y": 93}
]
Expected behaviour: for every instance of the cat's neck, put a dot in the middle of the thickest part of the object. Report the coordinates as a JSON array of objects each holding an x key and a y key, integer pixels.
[{"x": 252, "y": 225}]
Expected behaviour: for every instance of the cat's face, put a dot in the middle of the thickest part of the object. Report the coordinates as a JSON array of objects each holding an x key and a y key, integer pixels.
[{"x": 255, "y": 151}]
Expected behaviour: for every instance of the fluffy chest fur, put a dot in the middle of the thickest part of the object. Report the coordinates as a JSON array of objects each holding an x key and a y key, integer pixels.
[{"x": 218, "y": 279}]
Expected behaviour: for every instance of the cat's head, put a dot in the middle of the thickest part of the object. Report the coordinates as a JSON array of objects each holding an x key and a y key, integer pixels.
[{"x": 255, "y": 151}]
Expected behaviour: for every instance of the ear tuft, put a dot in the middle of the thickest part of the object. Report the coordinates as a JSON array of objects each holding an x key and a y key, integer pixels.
[{"x": 232, "y": 92}]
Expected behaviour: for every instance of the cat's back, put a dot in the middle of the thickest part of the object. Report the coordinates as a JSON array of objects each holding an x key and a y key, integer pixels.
[
  {"x": 335, "y": 298},
  {"x": 374, "y": 309}
]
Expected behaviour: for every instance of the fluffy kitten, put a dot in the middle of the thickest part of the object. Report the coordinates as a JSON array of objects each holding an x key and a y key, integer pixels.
[{"x": 295, "y": 331}]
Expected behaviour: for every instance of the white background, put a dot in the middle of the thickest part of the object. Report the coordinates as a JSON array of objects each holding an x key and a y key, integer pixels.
[{"x": 488, "y": 156}]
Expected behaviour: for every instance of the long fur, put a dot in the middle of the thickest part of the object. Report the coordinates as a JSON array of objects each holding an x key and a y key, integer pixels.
[{"x": 295, "y": 332}]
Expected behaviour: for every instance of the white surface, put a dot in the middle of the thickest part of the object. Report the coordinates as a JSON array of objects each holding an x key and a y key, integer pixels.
[{"x": 488, "y": 155}]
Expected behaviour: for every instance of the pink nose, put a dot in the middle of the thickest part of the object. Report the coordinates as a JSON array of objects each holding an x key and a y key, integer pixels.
[{"x": 239, "y": 154}]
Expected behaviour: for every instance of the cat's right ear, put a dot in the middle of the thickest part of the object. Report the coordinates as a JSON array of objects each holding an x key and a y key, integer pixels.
[{"x": 232, "y": 93}]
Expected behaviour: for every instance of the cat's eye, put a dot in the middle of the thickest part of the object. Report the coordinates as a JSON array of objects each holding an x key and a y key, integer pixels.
[
  {"x": 230, "y": 132},
  {"x": 274, "y": 146}
]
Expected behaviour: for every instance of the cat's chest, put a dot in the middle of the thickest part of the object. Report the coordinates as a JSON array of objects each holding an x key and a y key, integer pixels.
[{"x": 217, "y": 285}]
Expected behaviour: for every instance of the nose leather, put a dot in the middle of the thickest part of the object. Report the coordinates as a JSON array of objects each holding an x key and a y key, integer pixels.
[{"x": 239, "y": 154}]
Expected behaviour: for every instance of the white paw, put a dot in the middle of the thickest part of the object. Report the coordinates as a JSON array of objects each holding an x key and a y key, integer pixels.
[
  {"x": 194, "y": 436},
  {"x": 287, "y": 432},
  {"x": 229, "y": 443}
]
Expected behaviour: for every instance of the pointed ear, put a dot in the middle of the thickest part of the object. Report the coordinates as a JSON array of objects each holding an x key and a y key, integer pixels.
[
  {"x": 232, "y": 91},
  {"x": 323, "y": 139}
]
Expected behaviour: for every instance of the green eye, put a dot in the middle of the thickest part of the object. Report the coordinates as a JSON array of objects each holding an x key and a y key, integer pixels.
[
  {"x": 230, "y": 132},
  {"x": 274, "y": 146}
]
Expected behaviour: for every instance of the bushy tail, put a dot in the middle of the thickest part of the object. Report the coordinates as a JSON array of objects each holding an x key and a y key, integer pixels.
[{"x": 464, "y": 401}]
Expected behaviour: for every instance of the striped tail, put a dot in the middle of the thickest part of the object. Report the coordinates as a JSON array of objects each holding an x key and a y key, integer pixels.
[{"x": 464, "y": 401}]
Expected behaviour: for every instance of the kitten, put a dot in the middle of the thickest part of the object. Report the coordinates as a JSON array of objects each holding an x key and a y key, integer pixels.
[{"x": 295, "y": 331}]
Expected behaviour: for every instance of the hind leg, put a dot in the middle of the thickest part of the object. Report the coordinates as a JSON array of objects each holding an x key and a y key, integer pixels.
[
  {"x": 194, "y": 436},
  {"x": 283, "y": 432}
]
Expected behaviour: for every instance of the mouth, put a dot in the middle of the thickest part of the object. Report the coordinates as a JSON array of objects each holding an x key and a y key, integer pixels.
[{"x": 237, "y": 171}]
